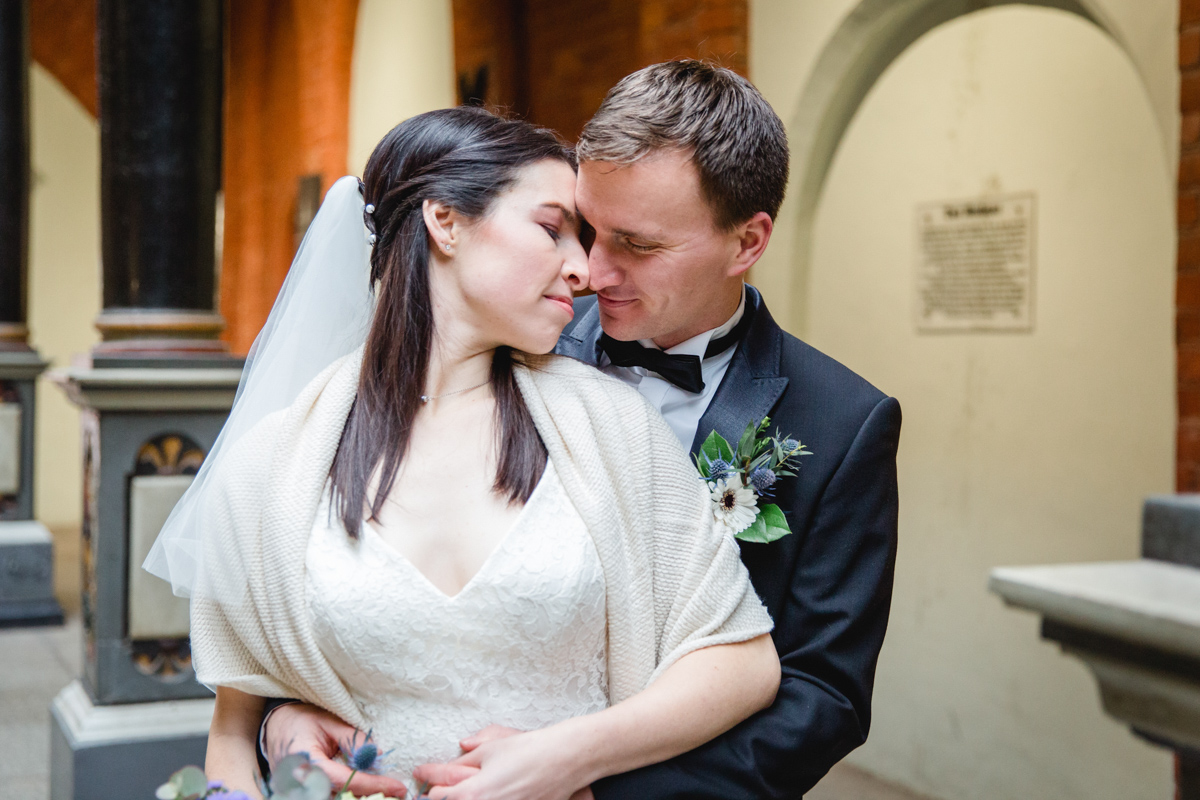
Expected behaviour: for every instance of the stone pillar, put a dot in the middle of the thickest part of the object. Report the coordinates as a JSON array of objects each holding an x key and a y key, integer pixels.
[
  {"x": 26, "y": 557},
  {"x": 153, "y": 399},
  {"x": 160, "y": 165}
]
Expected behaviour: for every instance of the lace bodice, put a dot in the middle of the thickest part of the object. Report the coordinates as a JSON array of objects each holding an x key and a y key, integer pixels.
[{"x": 523, "y": 644}]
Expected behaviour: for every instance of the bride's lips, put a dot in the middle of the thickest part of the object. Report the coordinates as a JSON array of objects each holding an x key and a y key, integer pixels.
[{"x": 565, "y": 301}]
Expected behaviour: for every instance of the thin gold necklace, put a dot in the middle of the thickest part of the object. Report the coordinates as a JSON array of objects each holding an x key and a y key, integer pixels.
[{"x": 425, "y": 398}]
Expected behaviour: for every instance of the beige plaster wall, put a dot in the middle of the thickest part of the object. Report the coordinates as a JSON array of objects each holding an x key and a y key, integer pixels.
[
  {"x": 1017, "y": 448},
  {"x": 64, "y": 281},
  {"x": 403, "y": 65}
]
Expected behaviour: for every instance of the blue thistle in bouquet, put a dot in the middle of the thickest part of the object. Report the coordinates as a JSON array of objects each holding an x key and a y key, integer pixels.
[
  {"x": 740, "y": 478},
  {"x": 362, "y": 757}
]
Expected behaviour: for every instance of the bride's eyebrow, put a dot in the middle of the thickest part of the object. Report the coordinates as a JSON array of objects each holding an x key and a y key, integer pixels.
[{"x": 567, "y": 213}]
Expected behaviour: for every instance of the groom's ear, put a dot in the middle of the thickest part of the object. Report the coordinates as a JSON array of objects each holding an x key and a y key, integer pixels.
[
  {"x": 443, "y": 223},
  {"x": 752, "y": 237}
]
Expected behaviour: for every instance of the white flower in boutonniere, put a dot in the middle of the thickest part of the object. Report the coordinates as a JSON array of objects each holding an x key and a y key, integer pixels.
[
  {"x": 735, "y": 506},
  {"x": 739, "y": 479}
]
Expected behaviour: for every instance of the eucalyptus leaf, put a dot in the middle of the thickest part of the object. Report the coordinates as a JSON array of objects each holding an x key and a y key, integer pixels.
[{"x": 191, "y": 783}]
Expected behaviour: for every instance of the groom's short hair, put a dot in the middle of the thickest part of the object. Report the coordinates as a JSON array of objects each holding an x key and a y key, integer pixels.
[{"x": 736, "y": 139}]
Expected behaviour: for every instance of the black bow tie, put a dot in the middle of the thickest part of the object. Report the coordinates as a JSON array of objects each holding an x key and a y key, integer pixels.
[{"x": 681, "y": 370}]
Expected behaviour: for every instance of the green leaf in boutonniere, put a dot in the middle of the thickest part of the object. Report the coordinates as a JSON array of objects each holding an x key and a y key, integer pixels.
[{"x": 768, "y": 526}]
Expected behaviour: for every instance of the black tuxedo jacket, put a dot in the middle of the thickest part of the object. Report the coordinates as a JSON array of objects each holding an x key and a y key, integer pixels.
[{"x": 828, "y": 586}]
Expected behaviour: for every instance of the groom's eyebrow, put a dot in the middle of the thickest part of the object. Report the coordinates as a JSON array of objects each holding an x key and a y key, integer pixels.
[{"x": 635, "y": 235}]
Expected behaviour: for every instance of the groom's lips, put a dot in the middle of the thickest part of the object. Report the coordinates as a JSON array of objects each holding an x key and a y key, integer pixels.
[{"x": 611, "y": 304}]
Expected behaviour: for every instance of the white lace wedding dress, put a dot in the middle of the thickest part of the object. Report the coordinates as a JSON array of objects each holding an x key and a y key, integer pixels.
[{"x": 523, "y": 644}]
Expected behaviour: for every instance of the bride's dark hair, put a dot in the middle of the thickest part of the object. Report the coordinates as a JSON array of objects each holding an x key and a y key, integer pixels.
[{"x": 463, "y": 157}]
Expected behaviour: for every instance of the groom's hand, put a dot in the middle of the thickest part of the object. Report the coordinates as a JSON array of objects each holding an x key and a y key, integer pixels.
[{"x": 302, "y": 728}]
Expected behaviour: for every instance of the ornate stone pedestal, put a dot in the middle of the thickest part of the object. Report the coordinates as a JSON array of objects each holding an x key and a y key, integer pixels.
[
  {"x": 26, "y": 550},
  {"x": 146, "y": 432}
]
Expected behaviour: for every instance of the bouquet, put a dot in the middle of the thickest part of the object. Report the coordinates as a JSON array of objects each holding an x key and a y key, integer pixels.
[
  {"x": 741, "y": 479},
  {"x": 294, "y": 778}
]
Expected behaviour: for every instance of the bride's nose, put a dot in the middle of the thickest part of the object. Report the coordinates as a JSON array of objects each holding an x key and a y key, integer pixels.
[{"x": 575, "y": 268}]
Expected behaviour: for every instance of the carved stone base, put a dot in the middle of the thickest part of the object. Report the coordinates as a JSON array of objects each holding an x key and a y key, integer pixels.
[
  {"x": 27, "y": 576},
  {"x": 105, "y": 752}
]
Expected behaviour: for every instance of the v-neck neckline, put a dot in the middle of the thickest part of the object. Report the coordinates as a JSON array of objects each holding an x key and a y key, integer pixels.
[{"x": 516, "y": 524}]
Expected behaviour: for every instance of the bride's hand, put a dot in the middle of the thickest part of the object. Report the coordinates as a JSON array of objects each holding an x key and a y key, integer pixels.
[{"x": 503, "y": 764}]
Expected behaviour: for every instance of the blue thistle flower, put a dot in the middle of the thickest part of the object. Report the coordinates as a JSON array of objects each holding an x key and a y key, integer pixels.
[
  {"x": 719, "y": 469},
  {"x": 762, "y": 480},
  {"x": 790, "y": 445},
  {"x": 364, "y": 758}
]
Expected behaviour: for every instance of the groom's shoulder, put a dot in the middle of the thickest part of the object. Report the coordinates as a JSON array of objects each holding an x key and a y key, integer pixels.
[
  {"x": 812, "y": 375},
  {"x": 812, "y": 372}
]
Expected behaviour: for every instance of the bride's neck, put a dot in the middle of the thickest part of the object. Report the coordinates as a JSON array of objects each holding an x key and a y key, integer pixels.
[{"x": 455, "y": 364}]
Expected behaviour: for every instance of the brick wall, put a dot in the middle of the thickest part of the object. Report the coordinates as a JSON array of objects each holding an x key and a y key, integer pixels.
[
  {"x": 552, "y": 61},
  {"x": 1187, "y": 293}
]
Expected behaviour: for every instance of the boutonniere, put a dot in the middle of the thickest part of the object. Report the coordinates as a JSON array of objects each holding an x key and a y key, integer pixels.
[{"x": 740, "y": 480}]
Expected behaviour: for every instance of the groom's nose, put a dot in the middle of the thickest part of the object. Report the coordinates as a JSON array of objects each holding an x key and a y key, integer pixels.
[{"x": 603, "y": 268}]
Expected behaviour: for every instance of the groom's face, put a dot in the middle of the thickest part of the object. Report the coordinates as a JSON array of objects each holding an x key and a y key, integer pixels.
[{"x": 660, "y": 265}]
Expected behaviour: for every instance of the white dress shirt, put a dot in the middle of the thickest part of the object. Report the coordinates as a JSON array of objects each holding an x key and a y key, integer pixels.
[{"x": 682, "y": 409}]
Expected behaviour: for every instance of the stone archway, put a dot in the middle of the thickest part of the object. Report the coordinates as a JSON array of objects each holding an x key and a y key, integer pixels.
[{"x": 867, "y": 41}]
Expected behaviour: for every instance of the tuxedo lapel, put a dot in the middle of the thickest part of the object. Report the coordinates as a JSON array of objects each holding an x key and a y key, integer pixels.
[{"x": 752, "y": 385}]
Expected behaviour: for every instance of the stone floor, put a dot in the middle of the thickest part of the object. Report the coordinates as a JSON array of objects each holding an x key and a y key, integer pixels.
[{"x": 36, "y": 663}]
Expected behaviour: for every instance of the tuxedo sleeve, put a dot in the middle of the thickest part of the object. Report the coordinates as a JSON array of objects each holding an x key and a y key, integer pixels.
[{"x": 828, "y": 634}]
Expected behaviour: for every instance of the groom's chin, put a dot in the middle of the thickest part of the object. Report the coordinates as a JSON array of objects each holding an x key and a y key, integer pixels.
[{"x": 623, "y": 323}]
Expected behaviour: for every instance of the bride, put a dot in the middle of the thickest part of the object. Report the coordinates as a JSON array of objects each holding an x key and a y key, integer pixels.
[{"x": 416, "y": 521}]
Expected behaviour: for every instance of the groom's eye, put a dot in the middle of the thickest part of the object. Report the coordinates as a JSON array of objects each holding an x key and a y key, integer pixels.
[{"x": 639, "y": 248}]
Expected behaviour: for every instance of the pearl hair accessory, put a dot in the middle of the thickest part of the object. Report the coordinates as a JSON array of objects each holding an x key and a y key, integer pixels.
[
  {"x": 370, "y": 209},
  {"x": 370, "y": 238}
]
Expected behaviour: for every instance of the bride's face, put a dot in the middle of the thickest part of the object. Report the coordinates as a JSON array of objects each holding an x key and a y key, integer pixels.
[{"x": 508, "y": 277}]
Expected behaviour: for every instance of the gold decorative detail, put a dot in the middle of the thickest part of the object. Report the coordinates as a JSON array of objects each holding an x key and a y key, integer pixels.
[
  {"x": 169, "y": 454},
  {"x": 167, "y": 660}
]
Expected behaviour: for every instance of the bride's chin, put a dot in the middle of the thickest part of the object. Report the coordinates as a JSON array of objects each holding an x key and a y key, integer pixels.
[{"x": 539, "y": 343}]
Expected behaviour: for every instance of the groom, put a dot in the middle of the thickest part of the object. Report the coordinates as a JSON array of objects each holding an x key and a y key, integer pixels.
[{"x": 682, "y": 171}]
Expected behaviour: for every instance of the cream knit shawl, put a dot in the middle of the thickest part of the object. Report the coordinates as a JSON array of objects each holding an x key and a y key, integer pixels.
[{"x": 674, "y": 584}]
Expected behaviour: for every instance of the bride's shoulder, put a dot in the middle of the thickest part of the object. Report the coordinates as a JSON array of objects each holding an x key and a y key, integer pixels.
[{"x": 570, "y": 375}]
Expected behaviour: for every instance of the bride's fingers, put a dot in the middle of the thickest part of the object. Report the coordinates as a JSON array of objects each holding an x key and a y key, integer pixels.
[
  {"x": 488, "y": 734},
  {"x": 471, "y": 758},
  {"x": 443, "y": 775}
]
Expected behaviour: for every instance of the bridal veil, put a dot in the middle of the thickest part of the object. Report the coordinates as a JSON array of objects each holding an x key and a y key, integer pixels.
[{"x": 322, "y": 313}]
